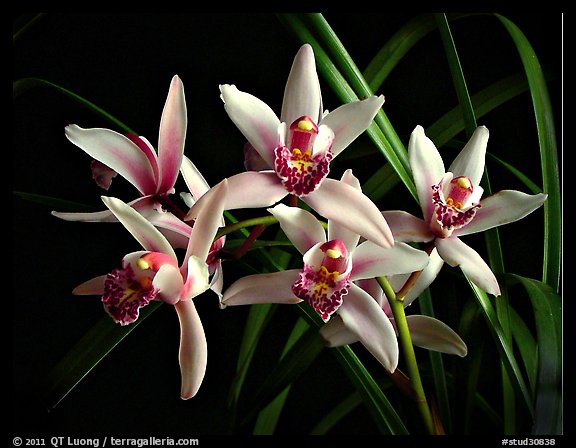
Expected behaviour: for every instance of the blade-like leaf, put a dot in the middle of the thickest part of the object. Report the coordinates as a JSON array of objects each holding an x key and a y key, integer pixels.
[
  {"x": 527, "y": 347},
  {"x": 54, "y": 203}
]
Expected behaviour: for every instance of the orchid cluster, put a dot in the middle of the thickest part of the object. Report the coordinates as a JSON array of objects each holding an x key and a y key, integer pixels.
[{"x": 349, "y": 246}]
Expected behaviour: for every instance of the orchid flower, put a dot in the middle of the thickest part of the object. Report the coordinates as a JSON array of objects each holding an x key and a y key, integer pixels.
[
  {"x": 426, "y": 332},
  {"x": 296, "y": 150},
  {"x": 134, "y": 158},
  {"x": 452, "y": 206},
  {"x": 332, "y": 263},
  {"x": 154, "y": 274}
]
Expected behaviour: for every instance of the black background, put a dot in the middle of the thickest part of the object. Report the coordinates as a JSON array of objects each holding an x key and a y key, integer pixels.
[{"x": 123, "y": 63}]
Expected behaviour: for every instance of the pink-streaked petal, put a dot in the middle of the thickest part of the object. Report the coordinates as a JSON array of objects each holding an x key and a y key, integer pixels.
[
  {"x": 193, "y": 355},
  {"x": 117, "y": 152},
  {"x": 337, "y": 231},
  {"x": 406, "y": 227},
  {"x": 351, "y": 120},
  {"x": 427, "y": 167},
  {"x": 247, "y": 190},
  {"x": 194, "y": 180},
  {"x": 362, "y": 315},
  {"x": 149, "y": 151},
  {"x": 196, "y": 278},
  {"x": 426, "y": 278},
  {"x": 456, "y": 253},
  {"x": 140, "y": 228},
  {"x": 139, "y": 204},
  {"x": 172, "y": 136},
  {"x": 169, "y": 283},
  {"x": 372, "y": 287},
  {"x": 302, "y": 94},
  {"x": 263, "y": 288},
  {"x": 207, "y": 223},
  {"x": 254, "y": 118},
  {"x": 470, "y": 161},
  {"x": 352, "y": 209},
  {"x": 501, "y": 208},
  {"x": 370, "y": 260},
  {"x": 300, "y": 226},
  {"x": 432, "y": 334},
  {"x": 92, "y": 287},
  {"x": 336, "y": 334},
  {"x": 167, "y": 221}
]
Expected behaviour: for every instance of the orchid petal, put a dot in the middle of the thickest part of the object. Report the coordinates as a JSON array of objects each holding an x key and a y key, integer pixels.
[
  {"x": 250, "y": 189},
  {"x": 337, "y": 231},
  {"x": 456, "y": 253},
  {"x": 217, "y": 282},
  {"x": 300, "y": 226},
  {"x": 144, "y": 232},
  {"x": 207, "y": 223},
  {"x": 117, "y": 152},
  {"x": 193, "y": 355},
  {"x": 362, "y": 315},
  {"x": 503, "y": 207},
  {"x": 254, "y": 118},
  {"x": 470, "y": 161},
  {"x": 302, "y": 94},
  {"x": 372, "y": 287},
  {"x": 370, "y": 260},
  {"x": 194, "y": 180},
  {"x": 172, "y": 135},
  {"x": 196, "y": 278},
  {"x": 350, "y": 120},
  {"x": 427, "y": 276},
  {"x": 263, "y": 288},
  {"x": 406, "y": 227},
  {"x": 336, "y": 334},
  {"x": 166, "y": 220},
  {"x": 427, "y": 167},
  {"x": 169, "y": 283},
  {"x": 92, "y": 287},
  {"x": 432, "y": 334},
  {"x": 351, "y": 208},
  {"x": 140, "y": 204}
]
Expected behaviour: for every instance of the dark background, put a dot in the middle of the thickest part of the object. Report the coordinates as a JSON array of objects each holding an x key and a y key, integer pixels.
[{"x": 124, "y": 63}]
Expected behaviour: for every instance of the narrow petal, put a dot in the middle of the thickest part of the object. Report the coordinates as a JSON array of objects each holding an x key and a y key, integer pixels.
[
  {"x": 166, "y": 220},
  {"x": 263, "y": 288},
  {"x": 432, "y": 334},
  {"x": 470, "y": 161},
  {"x": 370, "y": 260},
  {"x": 427, "y": 167},
  {"x": 194, "y": 180},
  {"x": 117, "y": 152},
  {"x": 172, "y": 136},
  {"x": 302, "y": 94},
  {"x": 140, "y": 204},
  {"x": 248, "y": 190},
  {"x": 169, "y": 283},
  {"x": 350, "y": 120},
  {"x": 351, "y": 208},
  {"x": 336, "y": 334},
  {"x": 503, "y": 207},
  {"x": 197, "y": 278},
  {"x": 193, "y": 355},
  {"x": 337, "y": 231},
  {"x": 456, "y": 253},
  {"x": 362, "y": 315},
  {"x": 207, "y": 223},
  {"x": 140, "y": 228},
  {"x": 92, "y": 287},
  {"x": 426, "y": 278},
  {"x": 300, "y": 226},
  {"x": 254, "y": 118},
  {"x": 406, "y": 227}
]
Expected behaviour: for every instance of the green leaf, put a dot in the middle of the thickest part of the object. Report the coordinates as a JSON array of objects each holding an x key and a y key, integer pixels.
[
  {"x": 54, "y": 203},
  {"x": 547, "y": 307},
  {"x": 527, "y": 347},
  {"x": 86, "y": 354},
  {"x": 548, "y": 154}
]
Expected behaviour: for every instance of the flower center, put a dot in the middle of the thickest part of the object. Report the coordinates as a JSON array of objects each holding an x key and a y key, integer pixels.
[
  {"x": 324, "y": 287},
  {"x": 452, "y": 210},
  {"x": 299, "y": 168}
]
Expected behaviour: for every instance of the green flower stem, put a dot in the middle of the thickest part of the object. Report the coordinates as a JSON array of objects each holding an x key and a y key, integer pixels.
[
  {"x": 397, "y": 305},
  {"x": 262, "y": 220}
]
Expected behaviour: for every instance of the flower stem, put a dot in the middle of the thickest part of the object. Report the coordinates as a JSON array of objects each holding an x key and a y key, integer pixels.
[
  {"x": 262, "y": 220},
  {"x": 397, "y": 305}
]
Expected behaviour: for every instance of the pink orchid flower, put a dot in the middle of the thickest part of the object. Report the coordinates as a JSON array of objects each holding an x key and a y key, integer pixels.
[
  {"x": 333, "y": 262},
  {"x": 296, "y": 150},
  {"x": 155, "y": 274},
  {"x": 452, "y": 206},
  {"x": 426, "y": 332}
]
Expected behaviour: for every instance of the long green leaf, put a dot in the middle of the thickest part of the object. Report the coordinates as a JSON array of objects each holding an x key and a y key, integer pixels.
[
  {"x": 526, "y": 346},
  {"x": 548, "y": 154},
  {"x": 54, "y": 203},
  {"x": 548, "y": 316},
  {"x": 86, "y": 354}
]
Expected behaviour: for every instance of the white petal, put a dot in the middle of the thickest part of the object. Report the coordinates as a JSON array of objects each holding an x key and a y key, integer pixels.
[
  {"x": 470, "y": 161},
  {"x": 336, "y": 334},
  {"x": 195, "y": 182},
  {"x": 406, "y": 227},
  {"x": 432, "y": 334},
  {"x": 263, "y": 288},
  {"x": 426, "y": 278},
  {"x": 169, "y": 282},
  {"x": 337, "y": 231},
  {"x": 197, "y": 278},
  {"x": 300, "y": 226}
]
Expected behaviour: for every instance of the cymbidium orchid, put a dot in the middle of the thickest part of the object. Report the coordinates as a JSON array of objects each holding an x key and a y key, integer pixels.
[
  {"x": 155, "y": 274},
  {"x": 452, "y": 206},
  {"x": 296, "y": 150},
  {"x": 333, "y": 262}
]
